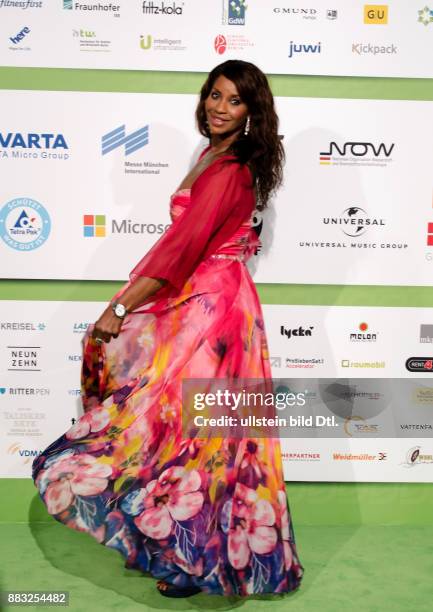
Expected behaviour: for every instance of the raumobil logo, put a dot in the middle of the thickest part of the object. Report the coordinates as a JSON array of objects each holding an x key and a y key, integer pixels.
[
  {"x": 102, "y": 6},
  {"x": 33, "y": 145},
  {"x": 118, "y": 138},
  {"x": 356, "y": 153},
  {"x": 234, "y": 12},
  {"x": 95, "y": 226},
  {"x": 24, "y": 224},
  {"x": 295, "y": 48},
  {"x": 21, "y": 4}
]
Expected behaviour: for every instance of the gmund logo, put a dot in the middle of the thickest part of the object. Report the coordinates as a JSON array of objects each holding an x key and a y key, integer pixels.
[
  {"x": 420, "y": 364},
  {"x": 301, "y": 48},
  {"x": 132, "y": 142},
  {"x": 356, "y": 153}
]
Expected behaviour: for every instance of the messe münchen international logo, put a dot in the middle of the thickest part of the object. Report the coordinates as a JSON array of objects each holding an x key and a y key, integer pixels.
[
  {"x": 24, "y": 224},
  {"x": 118, "y": 137}
]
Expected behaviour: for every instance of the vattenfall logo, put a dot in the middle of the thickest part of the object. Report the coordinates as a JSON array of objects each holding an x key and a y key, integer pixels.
[
  {"x": 163, "y": 8},
  {"x": 295, "y": 48},
  {"x": 101, "y": 7},
  {"x": 34, "y": 145}
]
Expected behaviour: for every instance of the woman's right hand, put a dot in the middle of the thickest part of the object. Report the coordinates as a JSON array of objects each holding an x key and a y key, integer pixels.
[{"x": 107, "y": 326}]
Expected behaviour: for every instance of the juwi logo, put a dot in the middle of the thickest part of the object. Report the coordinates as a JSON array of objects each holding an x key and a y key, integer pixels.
[
  {"x": 132, "y": 142},
  {"x": 294, "y": 48}
]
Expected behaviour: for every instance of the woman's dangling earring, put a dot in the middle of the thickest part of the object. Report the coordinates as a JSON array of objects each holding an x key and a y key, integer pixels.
[{"x": 247, "y": 126}]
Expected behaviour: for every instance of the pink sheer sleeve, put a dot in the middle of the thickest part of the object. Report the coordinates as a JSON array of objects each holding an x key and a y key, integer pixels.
[{"x": 222, "y": 198}]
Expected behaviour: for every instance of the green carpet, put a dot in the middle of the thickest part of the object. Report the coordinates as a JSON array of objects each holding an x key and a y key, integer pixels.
[{"x": 358, "y": 564}]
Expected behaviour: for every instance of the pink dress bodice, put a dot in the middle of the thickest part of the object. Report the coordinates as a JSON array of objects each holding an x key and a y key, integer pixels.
[{"x": 239, "y": 247}]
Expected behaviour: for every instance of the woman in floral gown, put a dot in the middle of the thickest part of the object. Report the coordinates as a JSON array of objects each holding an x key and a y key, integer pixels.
[{"x": 200, "y": 515}]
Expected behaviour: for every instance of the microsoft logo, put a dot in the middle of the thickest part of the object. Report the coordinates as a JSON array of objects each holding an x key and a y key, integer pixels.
[{"x": 94, "y": 226}]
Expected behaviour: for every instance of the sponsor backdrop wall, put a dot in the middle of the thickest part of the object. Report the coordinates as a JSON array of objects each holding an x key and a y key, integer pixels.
[{"x": 95, "y": 133}]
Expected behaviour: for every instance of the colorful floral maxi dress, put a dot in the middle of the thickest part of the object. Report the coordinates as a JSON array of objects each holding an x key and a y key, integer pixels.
[{"x": 211, "y": 513}]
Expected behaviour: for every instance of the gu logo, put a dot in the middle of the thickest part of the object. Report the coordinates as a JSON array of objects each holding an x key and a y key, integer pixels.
[
  {"x": 376, "y": 14},
  {"x": 132, "y": 142}
]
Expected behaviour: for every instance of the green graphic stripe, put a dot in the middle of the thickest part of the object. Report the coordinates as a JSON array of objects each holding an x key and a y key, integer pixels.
[
  {"x": 326, "y": 295},
  {"x": 59, "y": 79}
]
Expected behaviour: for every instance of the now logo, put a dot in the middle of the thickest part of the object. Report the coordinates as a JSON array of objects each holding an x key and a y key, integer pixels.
[
  {"x": 18, "y": 38},
  {"x": 294, "y": 48}
]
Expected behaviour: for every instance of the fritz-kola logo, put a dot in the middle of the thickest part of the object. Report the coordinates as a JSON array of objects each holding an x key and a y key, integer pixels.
[
  {"x": 132, "y": 142},
  {"x": 301, "y": 48},
  {"x": 162, "y": 8}
]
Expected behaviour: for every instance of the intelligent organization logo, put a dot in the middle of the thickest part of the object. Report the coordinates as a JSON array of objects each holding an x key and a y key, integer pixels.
[
  {"x": 21, "y": 4},
  {"x": 88, "y": 41},
  {"x": 162, "y": 8},
  {"x": 148, "y": 43},
  {"x": 33, "y": 145},
  {"x": 18, "y": 38},
  {"x": 234, "y": 12},
  {"x": 376, "y": 14},
  {"x": 24, "y": 224},
  {"x": 94, "y": 226},
  {"x": 304, "y": 48},
  {"x": 425, "y": 16},
  {"x": 102, "y": 6},
  {"x": 356, "y": 154},
  {"x": 234, "y": 43}
]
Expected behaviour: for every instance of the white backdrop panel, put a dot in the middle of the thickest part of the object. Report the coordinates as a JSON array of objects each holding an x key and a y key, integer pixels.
[
  {"x": 40, "y": 360},
  {"x": 355, "y": 207},
  {"x": 394, "y": 39}
]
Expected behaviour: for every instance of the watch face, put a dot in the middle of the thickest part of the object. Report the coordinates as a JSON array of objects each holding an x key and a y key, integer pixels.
[{"x": 120, "y": 310}]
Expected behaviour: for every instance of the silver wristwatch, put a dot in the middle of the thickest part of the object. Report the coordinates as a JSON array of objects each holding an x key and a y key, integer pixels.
[{"x": 119, "y": 310}]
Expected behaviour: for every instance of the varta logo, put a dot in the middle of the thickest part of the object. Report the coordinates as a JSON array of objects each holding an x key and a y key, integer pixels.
[{"x": 13, "y": 140}]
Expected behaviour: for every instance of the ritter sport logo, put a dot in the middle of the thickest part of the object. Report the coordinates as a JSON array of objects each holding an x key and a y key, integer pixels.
[{"x": 132, "y": 142}]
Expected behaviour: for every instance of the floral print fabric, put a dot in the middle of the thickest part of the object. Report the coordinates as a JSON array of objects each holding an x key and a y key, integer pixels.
[{"x": 210, "y": 513}]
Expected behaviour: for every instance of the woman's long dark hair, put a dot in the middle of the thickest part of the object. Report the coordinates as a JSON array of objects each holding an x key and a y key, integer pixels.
[{"x": 261, "y": 149}]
